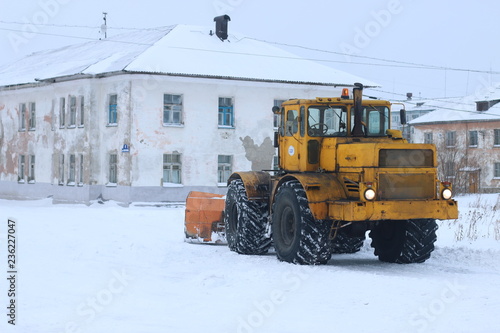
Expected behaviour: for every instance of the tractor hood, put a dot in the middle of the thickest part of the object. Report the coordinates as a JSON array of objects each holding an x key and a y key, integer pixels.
[{"x": 386, "y": 155}]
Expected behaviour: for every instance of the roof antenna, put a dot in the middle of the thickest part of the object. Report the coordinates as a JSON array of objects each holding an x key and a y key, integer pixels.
[{"x": 104, "y": 27}]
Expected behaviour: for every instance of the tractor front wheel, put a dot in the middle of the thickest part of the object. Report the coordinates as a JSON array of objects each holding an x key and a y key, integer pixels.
[{"x": 298, "y": 238}]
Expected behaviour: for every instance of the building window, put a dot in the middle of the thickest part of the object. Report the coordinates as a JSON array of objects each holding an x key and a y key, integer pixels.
[
  {"x": 80, "y": 180},
  {"x": 172, "y": 109},
  {"x": 32, "y": 116},
  {"x": 22, "y": 116},
  {"x": 496, "y": 139},
  {"x": 113, "y": 168},
  {"x": 72, "y": 166},
  {"x": 61, "y": 169},
  {"x": 450, "y": 139},
  {"x": 473, "y": 139},
  {"x": 82, "y": 111},
  {"x": 72, "y": 111},
  {"x": 226, "y": 112},
  {"x": 172, "y": 168},
  {"x": 224, "y": 168},
  {"x": 449, "y": 170},
  {"x": 21, "y": 172},
  {"x": 427, "y": 137},
  {"x": 277, "y": 117},
  {"x": 31, "y": 171},
  {"x": 113, "y": 109},
  {"x": 276, "y": 165},
  {"x": 62, "y": 112},
  {"x": 496, "y": 170}
]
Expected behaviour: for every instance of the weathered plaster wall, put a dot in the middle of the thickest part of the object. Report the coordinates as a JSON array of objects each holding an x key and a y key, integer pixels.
[{"x": 140, "y": 125}]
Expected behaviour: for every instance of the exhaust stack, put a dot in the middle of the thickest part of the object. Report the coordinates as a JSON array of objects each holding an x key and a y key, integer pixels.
[{"x": 357, "y": 92}]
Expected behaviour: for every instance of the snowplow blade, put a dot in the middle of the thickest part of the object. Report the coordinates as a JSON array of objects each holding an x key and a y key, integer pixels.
[{"x": 204, "y": 219}]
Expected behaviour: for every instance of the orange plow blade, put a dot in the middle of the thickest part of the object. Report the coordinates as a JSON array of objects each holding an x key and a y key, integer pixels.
[{"x": 204, "y": 219}]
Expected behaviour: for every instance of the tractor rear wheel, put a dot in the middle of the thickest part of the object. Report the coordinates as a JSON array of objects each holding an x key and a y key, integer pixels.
[
  {"x": 298, "y": 238},
  {"x": 246, "y": 221},
  {"x": 342, "y": 243},
  {"x": 404, "y": 242}
]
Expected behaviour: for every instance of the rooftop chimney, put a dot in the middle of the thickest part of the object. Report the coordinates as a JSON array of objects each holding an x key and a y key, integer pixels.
[
  {"x": 409, "y": 96},
  {"x": 221, "y": 26}
]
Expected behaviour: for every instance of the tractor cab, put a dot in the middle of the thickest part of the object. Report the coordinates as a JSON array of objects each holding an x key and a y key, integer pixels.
[{"x": 312, "y": 128}]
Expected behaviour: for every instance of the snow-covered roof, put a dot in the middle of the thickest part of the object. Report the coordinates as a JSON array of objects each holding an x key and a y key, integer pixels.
[
  {"x": 457, "y": 110},
  {"x": 176, "y": 50}
]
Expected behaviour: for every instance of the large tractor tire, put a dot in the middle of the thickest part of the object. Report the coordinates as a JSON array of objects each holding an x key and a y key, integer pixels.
[
  {"x": 246, "y": 221},
  {"x": 404, "y": 242},
  {"x": 342, "y": 243},
  {"x": 297, "y": 237}
]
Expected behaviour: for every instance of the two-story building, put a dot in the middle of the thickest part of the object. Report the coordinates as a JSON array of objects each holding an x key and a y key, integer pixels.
[
  {"x": 148, "y": 115},
  {"x": 467, "y": 135}
]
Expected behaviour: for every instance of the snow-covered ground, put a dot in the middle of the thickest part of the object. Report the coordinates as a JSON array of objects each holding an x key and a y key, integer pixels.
[{"x": 107, "y": 268}]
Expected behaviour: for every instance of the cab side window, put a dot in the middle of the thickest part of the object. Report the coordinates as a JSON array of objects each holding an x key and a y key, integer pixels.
[{"x": 291, "y": 122}]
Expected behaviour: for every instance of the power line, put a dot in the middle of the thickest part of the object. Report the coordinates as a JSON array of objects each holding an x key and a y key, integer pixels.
[
  {"x": 415, "y": 65},
  {"x": 228, "y": 52},
  {"x": 78, "y": 26},
  {"x": 440, "y": 107},
  {"x": 392, "y": 62},
  {"x": 79, "y": 37}
]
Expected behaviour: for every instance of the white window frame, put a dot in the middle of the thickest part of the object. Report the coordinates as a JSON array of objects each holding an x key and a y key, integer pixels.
[
  {"x": 172, "y": 163},
  {"x": 428, "y": 138},
  {"x": 81, "y": 171},
  {"x": 471, "y": 136},
  {"x": 62, "y": 112},
  {"x": 22, "y": 117},
  {"x": 81, "y": 111},
  {"x": 171, "y": 109},
  {"x": 61, "y": 169},
  {"x": 496, "y": 137},
  {"x": 31, "y": 170},
  {"x": 21, "y": 171},
  {"x": 72, "y": 170},
  {"x": 32, "y": 116},
  {"x": 224, "y": 169},
  {"x": 72, "y": 111},
  {"x": 496, "y": 170},
  {"x": 450, "y": 170},
  {"x": 451, "y": 139},
  {"x": 113, "y": 170}
]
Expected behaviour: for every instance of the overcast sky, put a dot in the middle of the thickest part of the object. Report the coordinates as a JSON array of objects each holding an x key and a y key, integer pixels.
[{"x": 386, "y": 41}]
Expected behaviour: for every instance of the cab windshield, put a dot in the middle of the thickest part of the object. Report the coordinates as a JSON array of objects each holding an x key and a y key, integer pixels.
[
  {"x": 327, "y": 121},
  {"x": 375, "y": 120}
]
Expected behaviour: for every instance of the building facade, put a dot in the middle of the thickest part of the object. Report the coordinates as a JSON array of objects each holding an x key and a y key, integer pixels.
[{"x": 468, "y": 144}]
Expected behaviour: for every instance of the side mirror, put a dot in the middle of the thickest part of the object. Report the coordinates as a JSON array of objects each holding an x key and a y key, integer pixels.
[
  {"x": 402, "y": 116},
  {"x": 276, "y": 109}
]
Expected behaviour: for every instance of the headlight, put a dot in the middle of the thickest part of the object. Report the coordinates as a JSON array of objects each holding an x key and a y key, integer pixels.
[
  {"x": 370, "y": 194},
  {"x": 446, "y": 194}
]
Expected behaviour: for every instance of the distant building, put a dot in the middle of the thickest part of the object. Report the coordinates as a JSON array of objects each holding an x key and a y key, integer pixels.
[
  {"x": 414, "y": 109},
  {"x": 147, "y": 116},
  {"x": 467, "y": 135}
]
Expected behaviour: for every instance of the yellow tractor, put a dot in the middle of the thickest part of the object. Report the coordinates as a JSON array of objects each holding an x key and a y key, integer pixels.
[{"x": 342, "y": 172}]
